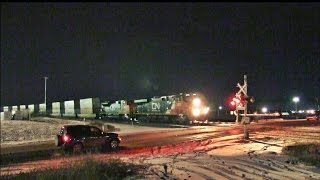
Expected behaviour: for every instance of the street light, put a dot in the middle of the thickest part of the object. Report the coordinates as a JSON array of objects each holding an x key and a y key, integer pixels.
[
  {"x": 296, "y": 100},
  {"x": 264, "y": 109},
  {"x": 220, "y": 107}
]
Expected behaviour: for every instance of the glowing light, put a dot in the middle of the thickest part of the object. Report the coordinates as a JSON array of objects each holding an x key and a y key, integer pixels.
[
  {"x": 264, "y": 109},
  {"x": 66, "y": 138},
  {"x": 233, "y": 103},
  {"x": 196, "y": 102},
  {"x": 296, "y": 99},
  {"x": 311, "y": 111},
  {"x": 236, "y": 100},
  {"x": 206, "y": 110},
  {"x": 220, "y": 107},
  {"x": 196, "y": 111}
]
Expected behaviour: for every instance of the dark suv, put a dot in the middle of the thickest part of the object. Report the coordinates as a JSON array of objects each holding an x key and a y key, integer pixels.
[{"x": 77, "y": 138}]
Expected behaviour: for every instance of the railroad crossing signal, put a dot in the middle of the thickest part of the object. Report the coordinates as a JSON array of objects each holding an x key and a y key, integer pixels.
[
  {"x": 241, "y": 100},
  {"x": 243, "y": 89},
  {"x": 242, "y": 95}
]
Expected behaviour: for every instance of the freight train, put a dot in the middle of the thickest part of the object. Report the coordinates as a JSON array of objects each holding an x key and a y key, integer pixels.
[{"x": 183, "y": 108}]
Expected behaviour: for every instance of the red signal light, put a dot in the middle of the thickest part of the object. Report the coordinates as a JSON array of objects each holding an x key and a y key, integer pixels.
[
  {"x": 66, "y": 138},
  {"x": 236, "y": 100}
]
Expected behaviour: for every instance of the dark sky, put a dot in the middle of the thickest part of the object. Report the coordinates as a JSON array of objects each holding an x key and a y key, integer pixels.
[{"x": 121, "y": 50}]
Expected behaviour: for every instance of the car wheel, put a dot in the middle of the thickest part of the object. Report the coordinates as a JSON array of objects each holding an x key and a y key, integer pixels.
[
  {"x": 114, "y": 144},
  {"x": 77, "y": 148}
]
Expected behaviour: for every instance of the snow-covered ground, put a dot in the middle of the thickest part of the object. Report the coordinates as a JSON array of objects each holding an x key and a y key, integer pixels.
[
  {"x": 227, "y": 157},
  {"x": 43, "y": 129}
]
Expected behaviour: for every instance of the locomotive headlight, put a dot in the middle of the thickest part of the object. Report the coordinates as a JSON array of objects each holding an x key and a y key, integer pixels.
[
  {"x": 206, "y": 110},
  {"x": 196, "y": 102},
  {"x": 196, "y": 111}
]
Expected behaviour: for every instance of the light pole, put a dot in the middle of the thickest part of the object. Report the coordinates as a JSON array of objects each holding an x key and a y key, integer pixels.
[
  {"x": 296, "y": 100},
  {"x": 45, "y": 90}
]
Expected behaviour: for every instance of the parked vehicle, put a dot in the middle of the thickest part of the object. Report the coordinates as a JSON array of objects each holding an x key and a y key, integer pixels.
[{"x": 78, "y": 138}]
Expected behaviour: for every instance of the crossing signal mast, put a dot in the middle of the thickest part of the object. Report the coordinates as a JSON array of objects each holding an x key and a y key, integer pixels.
[{"x": 241, "y": 100}]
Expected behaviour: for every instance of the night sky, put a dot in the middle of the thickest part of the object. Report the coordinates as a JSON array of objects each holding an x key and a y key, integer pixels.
[{"x": 122, "y": 50}]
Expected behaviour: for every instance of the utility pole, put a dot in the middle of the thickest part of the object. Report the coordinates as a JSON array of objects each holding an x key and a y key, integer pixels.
[{"x": 45, "y": 90}]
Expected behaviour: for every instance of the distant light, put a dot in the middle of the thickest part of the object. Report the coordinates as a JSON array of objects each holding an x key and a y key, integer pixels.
[
  {"x": 196, "y": 102},
  {"x": 264, "y": 109},
  {"x": 196, "y": 111},
  {"x": 206, "y": 110},
  {"x": 311, "y": 111},
  {"x": 220, "y": 107},
  {"x": 296, "y": 99}
]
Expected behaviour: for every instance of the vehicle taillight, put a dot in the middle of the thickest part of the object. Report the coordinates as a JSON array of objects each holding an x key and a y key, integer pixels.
[{"x": 66, "y": 138}]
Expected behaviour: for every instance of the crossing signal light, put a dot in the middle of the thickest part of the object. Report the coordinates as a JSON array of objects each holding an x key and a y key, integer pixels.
[{"x": 237, "y": 101}]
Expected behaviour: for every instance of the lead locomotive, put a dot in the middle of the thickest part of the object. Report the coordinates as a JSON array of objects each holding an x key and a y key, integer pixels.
[{"x": 182, "y": 108}]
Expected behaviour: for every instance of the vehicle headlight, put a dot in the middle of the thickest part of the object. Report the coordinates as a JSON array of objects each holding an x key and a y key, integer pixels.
[
  {"x": 196, "y": 111},
  {"x": 205, "y": 110},
  {"x": 196, "y": 102}
]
